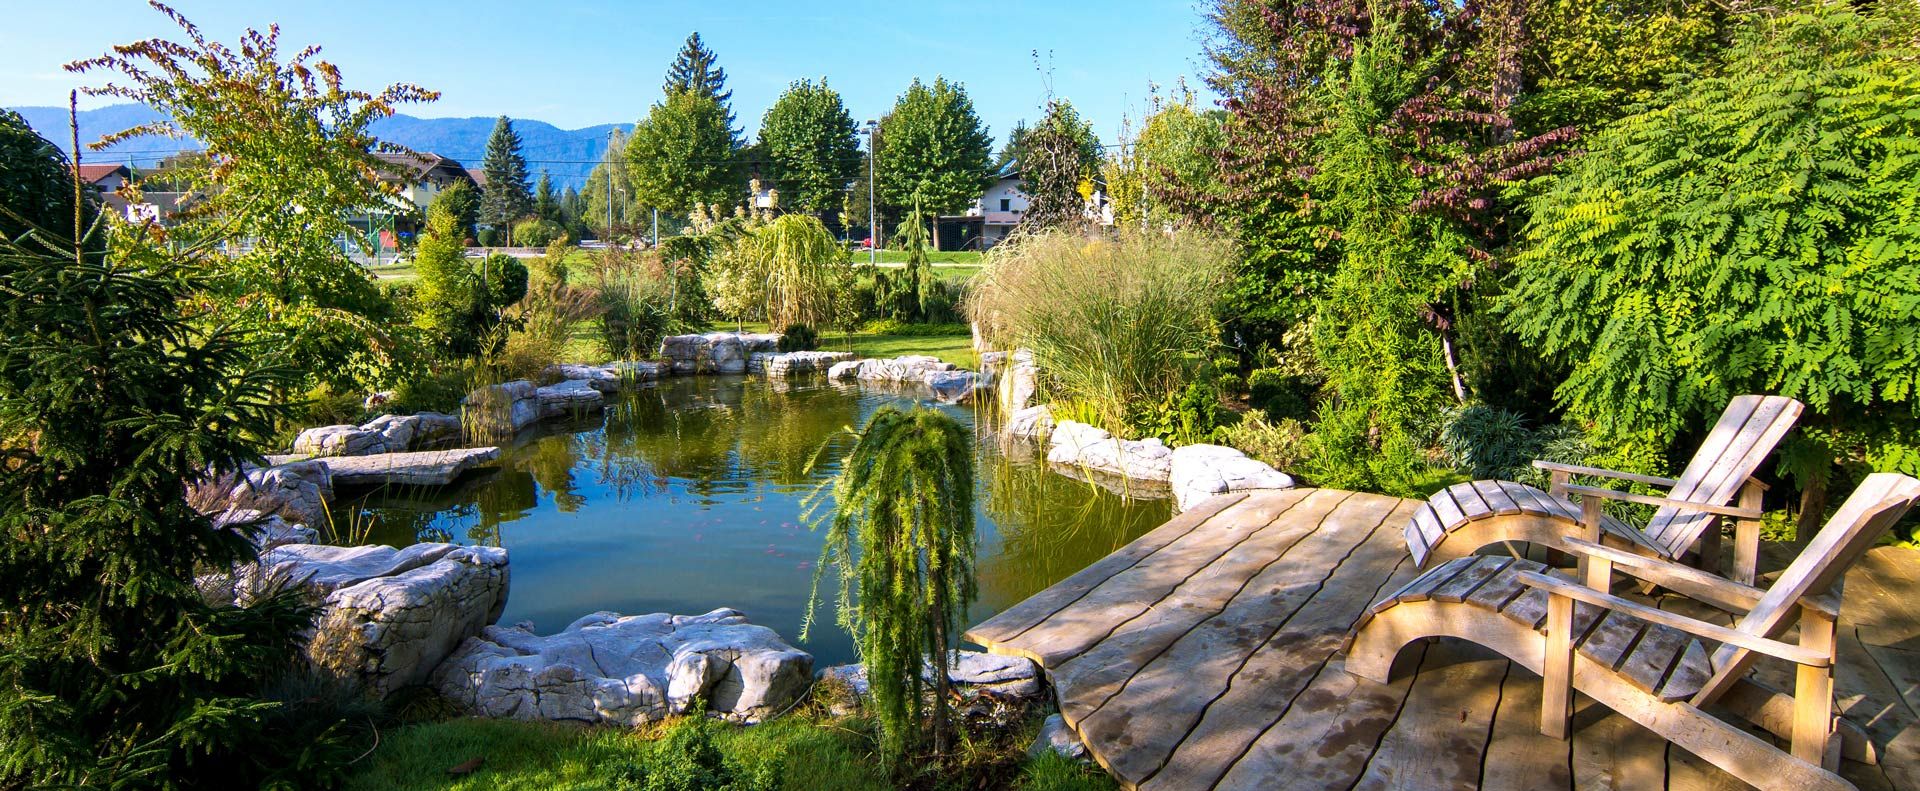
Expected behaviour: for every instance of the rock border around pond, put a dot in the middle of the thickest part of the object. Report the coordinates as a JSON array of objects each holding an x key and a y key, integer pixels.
[{"x": 606, "y": 668}]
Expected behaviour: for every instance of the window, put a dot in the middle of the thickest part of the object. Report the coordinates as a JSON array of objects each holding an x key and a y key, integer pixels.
[{"x": 1006, "y": 204}]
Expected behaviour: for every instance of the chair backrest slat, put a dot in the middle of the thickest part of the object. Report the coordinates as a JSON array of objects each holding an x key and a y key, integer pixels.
[
  {"x": 1880, "y": 501},
  {"x": 1746, "y": 433}
]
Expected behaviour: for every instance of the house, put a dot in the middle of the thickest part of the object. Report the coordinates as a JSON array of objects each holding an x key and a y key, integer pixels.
[
  {"x": 994, "y": 215},
  {"x": 105, "y": 179},
  {"x": 422, "y": 176}
]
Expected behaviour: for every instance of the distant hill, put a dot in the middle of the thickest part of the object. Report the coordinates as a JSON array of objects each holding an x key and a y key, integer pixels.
[{"x": 567, "y": 154}]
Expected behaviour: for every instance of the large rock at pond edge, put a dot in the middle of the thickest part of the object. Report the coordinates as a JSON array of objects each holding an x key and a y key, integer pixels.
[
  {"x": 1202, "y": 471},
  {"x": 631, "y": 670},
  {"x": 908, "y": 368},
  {"x": 973, "y": 674},
  {"x": 1017, "y": 385},
  {"x": 389, "y": 616},
  {"x": 384, "y": 434},
  {"x": 954, "y": 386},
  {"x": 298, "y": 491},
  {"x": 715, "y": 352},
  {"x": 844, "y": 371},
  {"x": 1034, "y": 422},
  {"x": 265, "y": 531},
  {"x": 778, "y": 364},
  {"x": 503, "y": 409},
  {"x": 421, "y": 468},
  {"x": 572, "y": 397},
  {"x": 1076, "y": 444}
]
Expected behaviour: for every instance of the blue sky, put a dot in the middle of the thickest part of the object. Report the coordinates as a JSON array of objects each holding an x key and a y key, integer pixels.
[{"x": 576, "y": 64}]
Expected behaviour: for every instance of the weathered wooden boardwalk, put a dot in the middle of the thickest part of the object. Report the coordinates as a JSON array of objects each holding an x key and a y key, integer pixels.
[{"x": 1206, "y": 654}]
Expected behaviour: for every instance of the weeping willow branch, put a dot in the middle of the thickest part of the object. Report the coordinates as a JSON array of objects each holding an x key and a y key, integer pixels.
[{"x": 901, "y": 539}]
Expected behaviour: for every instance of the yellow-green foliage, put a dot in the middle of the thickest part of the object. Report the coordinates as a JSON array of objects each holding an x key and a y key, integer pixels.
[
  {"x": 1757, "y": 231},
  {"x": 1115, "y": 320},
  {"x": 794, "y": 267}
]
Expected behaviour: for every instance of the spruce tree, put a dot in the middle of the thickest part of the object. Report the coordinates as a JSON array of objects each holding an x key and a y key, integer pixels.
[
  {"x": 546, "y": 205},
  {"x": 506, "y": 197},
  {"x": 696, "y": 70},
  {"x": 116, "y": 670}
]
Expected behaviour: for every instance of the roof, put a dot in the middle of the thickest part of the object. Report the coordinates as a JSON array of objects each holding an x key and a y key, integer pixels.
[
  {"x": 416, "y": 166},
  {"x": 93, "y": 174},
  {"x": 479, "y": 176}
]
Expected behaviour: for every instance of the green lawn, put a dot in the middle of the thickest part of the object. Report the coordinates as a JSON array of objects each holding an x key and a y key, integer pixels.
[
  {"x": 971, "y": 257},
  {"x": 956, "y": 349}
]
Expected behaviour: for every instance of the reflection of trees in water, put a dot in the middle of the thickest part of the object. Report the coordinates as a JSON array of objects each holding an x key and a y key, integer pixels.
[
  {"x": 471, "y": 510},
  {"x": 783, "y": 427},
  {"x": 1052, "y": 526}
]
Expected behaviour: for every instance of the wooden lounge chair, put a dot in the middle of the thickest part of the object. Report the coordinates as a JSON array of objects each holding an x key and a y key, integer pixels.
[
  {"x": 1460, "y": 519},
  {"x": 1649, "y": 664}
]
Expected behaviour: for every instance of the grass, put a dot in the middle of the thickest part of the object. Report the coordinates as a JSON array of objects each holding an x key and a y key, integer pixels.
[
  {"x": 538, "y": 755},
  {"x": 936, "y": 257}
]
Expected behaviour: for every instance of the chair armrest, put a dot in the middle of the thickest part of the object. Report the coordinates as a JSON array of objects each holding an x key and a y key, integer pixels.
[
  {"x": 1555, "y": 586},
  {"x": 1663, "y": 502},
  {"x": 1725, "y": 594},
  {"x": 1574, "y": 469}
]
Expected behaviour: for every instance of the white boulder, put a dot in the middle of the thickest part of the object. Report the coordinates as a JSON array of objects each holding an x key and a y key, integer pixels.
[
  {"x": 1079, "y": 445},
  {"x": 419, "y": 468},
  {"x": 503, "y": 409},
  {"x": 265, "y": 531},
  {"x": 1056, "y": 737},
  {"x": 568, "y": 398},
  {"x": 1202, "y": 471},
  {"x": 715, "y": 352},
  {"x": 628, "y": 670},
  {"x": 389, "y": 616},
  {"x": 1034, "y": 422},
  {"x": 778, "y": 364},
  {"x": 953, "y": 386}
]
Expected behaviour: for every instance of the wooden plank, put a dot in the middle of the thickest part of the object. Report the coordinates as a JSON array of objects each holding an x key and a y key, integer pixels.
[
  {"x": 1016, "y": 620},
  {"x": 1689, "y": 772},
  {"x": 1496, "y": 497},
  {"x": 1470, "y": 501},
  {"x": 1688, "y": 674},
  {"x": 1123, "y": 596},
  {"x": 1612, "y": 753},
  {"x": 1447, "y": 509},
  {"x": 1422, "y": 586},
  {"x": 1470, "y": 579},
  {"x": 1163, "y": 701},
  {"x": 1084, "y": 682},
  {"x": 1609, "y": 641},
  {"x": 1534, "y": 501},
  {"x": 1427, "y": 524},
  {"x": 1519, "y": 757},
  {"x": 1658, "y": 649},
  {"x": 1494, "y": 595},
  {"x": 1530, "y": 608},
  {"x": 1326, "y": 736},
  {"x": 1439, "y": 738},
  {"x": 1729, "y": 455}
]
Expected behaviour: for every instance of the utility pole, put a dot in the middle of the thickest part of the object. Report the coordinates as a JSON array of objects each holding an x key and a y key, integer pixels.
[
  {"x": 656, "y": 229},
  {"x": 609, "y": 162},
  {"x": 873, "y": 223}
]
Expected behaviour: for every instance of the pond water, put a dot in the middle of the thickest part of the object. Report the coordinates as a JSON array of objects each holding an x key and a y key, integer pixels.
[{"x": 688, "y": 495}]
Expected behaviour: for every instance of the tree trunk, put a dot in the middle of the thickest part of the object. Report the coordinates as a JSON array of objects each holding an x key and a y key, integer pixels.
[
  {"x": 933, "y": 231},
  {"x": 1813, "y": 509}
]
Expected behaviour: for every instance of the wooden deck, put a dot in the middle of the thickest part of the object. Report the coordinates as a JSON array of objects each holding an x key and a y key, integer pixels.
[{"x": 1206, "y": 654}]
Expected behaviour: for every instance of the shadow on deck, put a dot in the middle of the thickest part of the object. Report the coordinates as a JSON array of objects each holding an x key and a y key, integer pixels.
[{"x": 1206, "y": 654}]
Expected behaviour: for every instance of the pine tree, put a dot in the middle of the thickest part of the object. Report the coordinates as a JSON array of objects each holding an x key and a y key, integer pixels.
[
  {"x": 546, "y": 205},
  {"x": 696, "y": 70},
  {"x": 506, "y": 197}
]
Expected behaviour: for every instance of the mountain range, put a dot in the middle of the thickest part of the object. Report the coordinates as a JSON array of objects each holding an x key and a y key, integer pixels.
[{"x": 567, "y": 154}]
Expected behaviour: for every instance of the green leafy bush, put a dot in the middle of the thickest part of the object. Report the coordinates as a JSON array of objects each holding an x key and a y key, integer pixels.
[
  {"x": 799, "y": 338},
  {"x": 1753, "y": 232},
  {"x": 1189, "y": 416},
  {"x": 1281, "y": 394},
  {"x": 1488, "y": 442},
  {"x": 536, "y": 232},
  {"x": 506, "y": 280}
]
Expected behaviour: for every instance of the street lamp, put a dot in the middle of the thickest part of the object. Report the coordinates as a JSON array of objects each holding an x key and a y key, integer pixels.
[{"x": 873, "y": 223}]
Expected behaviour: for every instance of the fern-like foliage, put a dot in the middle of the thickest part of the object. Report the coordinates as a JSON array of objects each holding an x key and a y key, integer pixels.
[{"x": 1757, "y": 230}]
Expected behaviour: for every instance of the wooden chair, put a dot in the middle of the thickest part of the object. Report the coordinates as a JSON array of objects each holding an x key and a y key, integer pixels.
[
  {"x": 1650, "y": 664},
  {"x": 1460, "y": 519}
]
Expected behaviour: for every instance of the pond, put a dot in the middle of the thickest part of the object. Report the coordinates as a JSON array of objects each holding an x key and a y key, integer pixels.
[{"x": 688, "y": 494}]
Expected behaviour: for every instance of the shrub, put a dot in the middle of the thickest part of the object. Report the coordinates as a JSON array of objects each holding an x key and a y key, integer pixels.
[
  {"x": 1187, "y": 417},
  {"x": 491, "y": 237},
  {"x": 1281, "y": 394},
  {"x": 1280, "y": 442},
  {"x": 1488, "y": 442},
  {"x": 1113, "y": 321},
  {"x": 506, "y": 280},
  {"x": 1752, "y": 232},
  {"x": 636, "y": 299},
  {"x": 799, "y": 338},
  {"x": 537, "y": 232},
  {"x": 798, "y": 273}
]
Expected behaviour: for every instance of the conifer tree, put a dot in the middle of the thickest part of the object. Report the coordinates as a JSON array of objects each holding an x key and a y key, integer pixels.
[
  {"x": 696, "y": 70},
  {"x": 116, "y": 670},
  {"x": 546, "y": 205},
  {"x": 901, "y": 537},
  {"x": 505, "y": 197}
]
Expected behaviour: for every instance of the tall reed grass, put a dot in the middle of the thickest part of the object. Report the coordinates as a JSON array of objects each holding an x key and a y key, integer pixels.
[{"x": 1114, "y": 320}]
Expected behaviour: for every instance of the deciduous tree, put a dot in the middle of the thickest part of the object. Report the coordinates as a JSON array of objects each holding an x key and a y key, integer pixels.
[
  {"x": 683, "y": 153},
  {"x": 808, "y": 139},
  {"x": 933, "y": 147}
]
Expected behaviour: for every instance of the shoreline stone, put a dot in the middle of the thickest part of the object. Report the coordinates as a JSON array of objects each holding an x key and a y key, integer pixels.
[
  {"x": 628, "y": 670},
  {"x": 778, "y": 364},
  {"x": 389, "y": 616},
  {"x": 715, "y": 352},
  {"x": 1076, "y": 444},
  {"x": 1202, "y": 471},
  {"x": 384, "y": 434}
]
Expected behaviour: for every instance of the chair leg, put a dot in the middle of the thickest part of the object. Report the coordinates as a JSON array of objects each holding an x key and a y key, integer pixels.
[
  {"x": 1813, "y": 692},
  {"x": 1556, "y": 671}
]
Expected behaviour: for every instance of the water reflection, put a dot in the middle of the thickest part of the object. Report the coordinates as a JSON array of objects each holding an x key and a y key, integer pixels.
[{"x": 686, "y": 496}]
